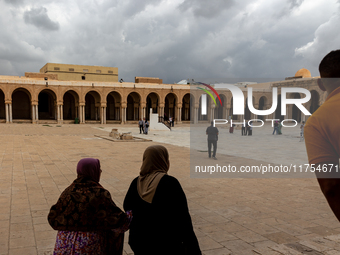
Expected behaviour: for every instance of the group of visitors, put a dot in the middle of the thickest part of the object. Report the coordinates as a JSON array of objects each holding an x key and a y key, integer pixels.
[
  {"x": 143, "y": 126},
  {"x": 156, "y": 212},
  {"x": 247, "y": 129},
  {"x": 277, "y": 128}
]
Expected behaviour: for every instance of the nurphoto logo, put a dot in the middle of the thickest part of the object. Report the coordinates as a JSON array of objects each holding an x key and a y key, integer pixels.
[{"x": 239, "y": 106}]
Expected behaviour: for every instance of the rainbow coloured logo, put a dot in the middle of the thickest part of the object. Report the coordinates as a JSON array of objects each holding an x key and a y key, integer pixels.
[
  {"x": 208, "y": 92},
  {"x": 204, "y": 97}
]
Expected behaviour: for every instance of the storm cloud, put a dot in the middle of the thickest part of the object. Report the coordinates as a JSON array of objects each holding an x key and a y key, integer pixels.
[
  {"x": 39, "y": 18},
  {"x": 170, "y": 39}
]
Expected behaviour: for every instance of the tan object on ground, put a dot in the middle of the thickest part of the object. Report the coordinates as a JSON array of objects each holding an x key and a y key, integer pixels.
[{"x": 114, "y": 133}]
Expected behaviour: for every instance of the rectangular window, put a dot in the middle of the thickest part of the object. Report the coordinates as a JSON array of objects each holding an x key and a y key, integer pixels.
[
  {"x": 56, "y": 69},
  {"x": 85, "y": 70},
  {"x": 110, "y": 71},
  {"x": 71, "y": 69},
  {"x": 83, "y": 77},
  {"x": 98, "y": 71}
]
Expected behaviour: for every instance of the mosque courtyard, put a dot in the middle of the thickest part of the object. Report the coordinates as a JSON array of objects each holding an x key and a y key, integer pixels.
[{"x": 230, "y": 215}]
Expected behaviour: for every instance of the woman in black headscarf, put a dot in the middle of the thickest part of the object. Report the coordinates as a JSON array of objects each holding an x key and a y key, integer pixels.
[{"x": 161, "y": 221}]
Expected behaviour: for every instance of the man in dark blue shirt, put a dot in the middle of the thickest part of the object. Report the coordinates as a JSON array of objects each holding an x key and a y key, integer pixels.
[{"x": 212, "y": 133}]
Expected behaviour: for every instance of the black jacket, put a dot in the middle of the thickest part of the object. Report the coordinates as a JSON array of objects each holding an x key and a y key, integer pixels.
[{"x": 164, "y": 226}]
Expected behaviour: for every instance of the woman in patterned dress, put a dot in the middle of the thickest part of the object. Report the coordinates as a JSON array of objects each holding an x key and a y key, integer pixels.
[{"x": 87, "y": 220}]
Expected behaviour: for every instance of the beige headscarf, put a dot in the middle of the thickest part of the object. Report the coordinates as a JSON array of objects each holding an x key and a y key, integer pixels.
[{"x": 155, "y": 166}]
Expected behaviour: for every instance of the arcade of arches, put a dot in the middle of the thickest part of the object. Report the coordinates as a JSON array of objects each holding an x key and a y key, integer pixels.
[{"x": 35, "y": 100}]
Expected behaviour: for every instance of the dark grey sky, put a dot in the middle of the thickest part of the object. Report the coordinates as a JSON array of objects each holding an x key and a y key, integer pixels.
[{"x": 173, "y": 39}]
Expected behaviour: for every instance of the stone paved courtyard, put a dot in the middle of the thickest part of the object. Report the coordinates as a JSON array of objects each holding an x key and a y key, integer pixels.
[{"x": 230, "y": 216}]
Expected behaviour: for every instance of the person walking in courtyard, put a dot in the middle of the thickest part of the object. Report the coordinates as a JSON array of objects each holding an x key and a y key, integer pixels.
[
  {"x": 322, "y": 133},
  {"x": 244, "y": 129},
  {"x": 212, "y": 133},
  {"x": 87, "y": 220},
  {"x": 231, "y": 129},
  {"x": 161, "y": 223},
  {"x": 141, "y": 126},
  {"x": 276, "y": 125},
  {"x": 302, "y": 127},
  {"x": 146, "y": 127},
  {"x": 171, "y": 121},
  {"x": 250, "y": 128},
  {"x": 279, "y": 128}
]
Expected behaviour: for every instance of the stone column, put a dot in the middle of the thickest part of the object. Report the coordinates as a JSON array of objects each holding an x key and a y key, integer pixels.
[
  {"x": 80, "y": 116},
  {"x": 224, "y": 112},
  {"x": 7, "y": 113},
  {"x": 179, "y": 115},
  {"x": 161, "y": 110},
  {"x": 123, "y": 107},
  {"x": 102, "y": 119},
  {"x": 10, "y": 113},
  {"x": 104, "y": 114},
  {"x": 33, "y": 114},
  {"x": 142, "y": 111},
  {"x": 212, "y": 113},
  {"x": 61, "y": 114},
  {"x": 58, "y": 114},
  {"x": 36, "y": 114},
  {"x": 83, "y": 112},
  {"x": 196, "y": 115}
]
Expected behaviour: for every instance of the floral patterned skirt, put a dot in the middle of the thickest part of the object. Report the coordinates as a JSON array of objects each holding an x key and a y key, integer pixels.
[{"x": 81, "y": 243}]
